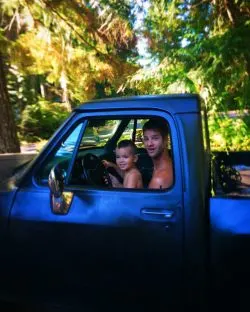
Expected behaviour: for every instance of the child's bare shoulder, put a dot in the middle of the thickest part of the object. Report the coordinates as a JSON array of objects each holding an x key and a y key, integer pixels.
[{"x": 134, "y": 172}]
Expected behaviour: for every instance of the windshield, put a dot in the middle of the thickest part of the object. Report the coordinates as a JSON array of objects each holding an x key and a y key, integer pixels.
[{"x": 98, "y": 132}]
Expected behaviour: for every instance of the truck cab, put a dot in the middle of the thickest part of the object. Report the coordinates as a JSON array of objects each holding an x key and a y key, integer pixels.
[{"x": 80, "y": 240}]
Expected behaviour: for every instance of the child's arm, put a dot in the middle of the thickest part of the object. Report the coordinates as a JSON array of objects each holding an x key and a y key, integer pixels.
[
  {"x": 111, "y": 164},
  {"x": 115, "y": 181},
  {"x": 117, "y": 176}
]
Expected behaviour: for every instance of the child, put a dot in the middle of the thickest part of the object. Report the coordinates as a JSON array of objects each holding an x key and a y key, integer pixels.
[{"x": 126, "y": 159}]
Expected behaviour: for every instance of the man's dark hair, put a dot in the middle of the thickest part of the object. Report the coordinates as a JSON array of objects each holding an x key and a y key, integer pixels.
[
  {"x": 127, "y": 143},
  {"x": 157, "y": 124}
]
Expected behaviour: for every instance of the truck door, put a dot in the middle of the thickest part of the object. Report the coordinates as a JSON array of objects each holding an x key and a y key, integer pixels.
[{"x": 108, "y": 243}]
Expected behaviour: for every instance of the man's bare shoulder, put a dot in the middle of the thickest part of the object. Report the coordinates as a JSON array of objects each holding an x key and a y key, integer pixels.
[{"x": 161, "y": 179}]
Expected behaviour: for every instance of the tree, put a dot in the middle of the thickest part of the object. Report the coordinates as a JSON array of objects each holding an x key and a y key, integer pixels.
[
  {"x": 85, "y": 48},
  {"x": 9, "y": 142},
  {"x": 199, "y": 46},
  {"x": 65, "y": 52},
  {"x": 8, "y": 134}
]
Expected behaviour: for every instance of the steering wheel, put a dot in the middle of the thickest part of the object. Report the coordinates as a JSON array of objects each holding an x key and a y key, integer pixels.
[{"x": 94, "y": 172}]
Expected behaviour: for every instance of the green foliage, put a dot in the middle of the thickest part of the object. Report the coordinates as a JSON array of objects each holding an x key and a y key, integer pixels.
[
  {"x": 201, "y": 47},
  {"x": 79, "y": 48},
  {"x": 23, "y": 90},
  {"x": 71, "y": 51},
  {"x": 40, "y": 120},
  {"x": 229, "y": 134},
  {"x": 63, "y": 51},
  {"x": 228, "y": 177}
]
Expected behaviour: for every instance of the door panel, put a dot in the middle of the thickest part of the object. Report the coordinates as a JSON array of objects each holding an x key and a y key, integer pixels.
[{"x": 110, "y": 242}]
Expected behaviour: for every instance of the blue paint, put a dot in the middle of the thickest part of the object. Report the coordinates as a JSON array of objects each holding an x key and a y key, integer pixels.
[
  {"x": 230, "y": 215},
  {"x": 105, "y": 244}
]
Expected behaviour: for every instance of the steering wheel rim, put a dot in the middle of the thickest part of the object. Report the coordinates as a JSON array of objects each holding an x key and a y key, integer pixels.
[{"x": 94, "y": 172}]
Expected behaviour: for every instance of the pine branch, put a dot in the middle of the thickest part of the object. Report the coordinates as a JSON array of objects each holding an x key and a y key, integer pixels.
[{"x": 106, "y": 56}]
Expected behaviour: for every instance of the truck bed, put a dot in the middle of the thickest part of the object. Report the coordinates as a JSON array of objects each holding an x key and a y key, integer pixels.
[
  {"x": 229, "y": 217},
  {"x": 9, "y": 163},
  {"x": 243, "y": 188},
  {"x": 231, "y": 174}
]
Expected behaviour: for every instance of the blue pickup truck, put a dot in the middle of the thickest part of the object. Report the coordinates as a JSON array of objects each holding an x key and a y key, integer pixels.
[{"x": 67, "y": 237}]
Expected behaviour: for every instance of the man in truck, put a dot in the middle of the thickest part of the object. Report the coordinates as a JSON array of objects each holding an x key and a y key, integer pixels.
[{"x": 155, "y": 138}]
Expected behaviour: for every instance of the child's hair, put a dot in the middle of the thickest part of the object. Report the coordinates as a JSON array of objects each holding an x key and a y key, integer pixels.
[
  {"x": 158, "y": 124},
  {"x": 127, "y": 143}
]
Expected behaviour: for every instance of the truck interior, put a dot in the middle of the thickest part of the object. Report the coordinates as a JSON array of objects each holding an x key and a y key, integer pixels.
[{"x": 93, "y": 144}]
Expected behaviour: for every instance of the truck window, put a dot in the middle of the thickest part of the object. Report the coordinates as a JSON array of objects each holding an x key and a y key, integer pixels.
[
  {"x": 61, "y": 155},
  {"x": 95, "y": 160},
  {"x": 93, "y": 153},
  {"x": 133, "y": 132},
  {"x": 98, "y": 132}
]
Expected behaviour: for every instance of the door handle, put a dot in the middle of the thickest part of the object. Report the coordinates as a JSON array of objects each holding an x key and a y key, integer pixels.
[{"x": 162, "y": 214}]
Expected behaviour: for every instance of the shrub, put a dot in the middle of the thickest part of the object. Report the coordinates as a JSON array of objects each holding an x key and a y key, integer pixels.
[
  {"x": 40, "y": 120},
  {"x": 229, "y": 134}
]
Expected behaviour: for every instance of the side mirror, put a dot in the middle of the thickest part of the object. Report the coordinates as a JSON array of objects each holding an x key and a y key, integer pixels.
[
  {"x": 56, "y": 181},
  {"x": 60, "y": 200}
]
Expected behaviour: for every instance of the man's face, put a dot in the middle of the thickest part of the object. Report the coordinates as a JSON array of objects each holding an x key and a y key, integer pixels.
[{"x": 154, "y": 143}]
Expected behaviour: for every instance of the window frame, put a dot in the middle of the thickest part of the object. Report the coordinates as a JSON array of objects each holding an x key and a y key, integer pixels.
[
  {"x": 56, "y": 148},
  {"x": 121, "y": 114}
]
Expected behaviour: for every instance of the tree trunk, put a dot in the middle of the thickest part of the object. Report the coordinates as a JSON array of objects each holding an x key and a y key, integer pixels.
[{"x": 8, "y": 135}]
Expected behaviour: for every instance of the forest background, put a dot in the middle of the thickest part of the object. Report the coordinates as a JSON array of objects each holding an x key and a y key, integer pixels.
[{"x": 54, "y": 55}]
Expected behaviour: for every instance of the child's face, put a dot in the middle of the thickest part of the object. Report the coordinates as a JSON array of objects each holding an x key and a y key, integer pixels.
[{"x": 125, "y": 159}]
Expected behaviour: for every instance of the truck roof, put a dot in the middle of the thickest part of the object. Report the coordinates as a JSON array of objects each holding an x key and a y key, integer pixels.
[{"x": 174, "y": 103}]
